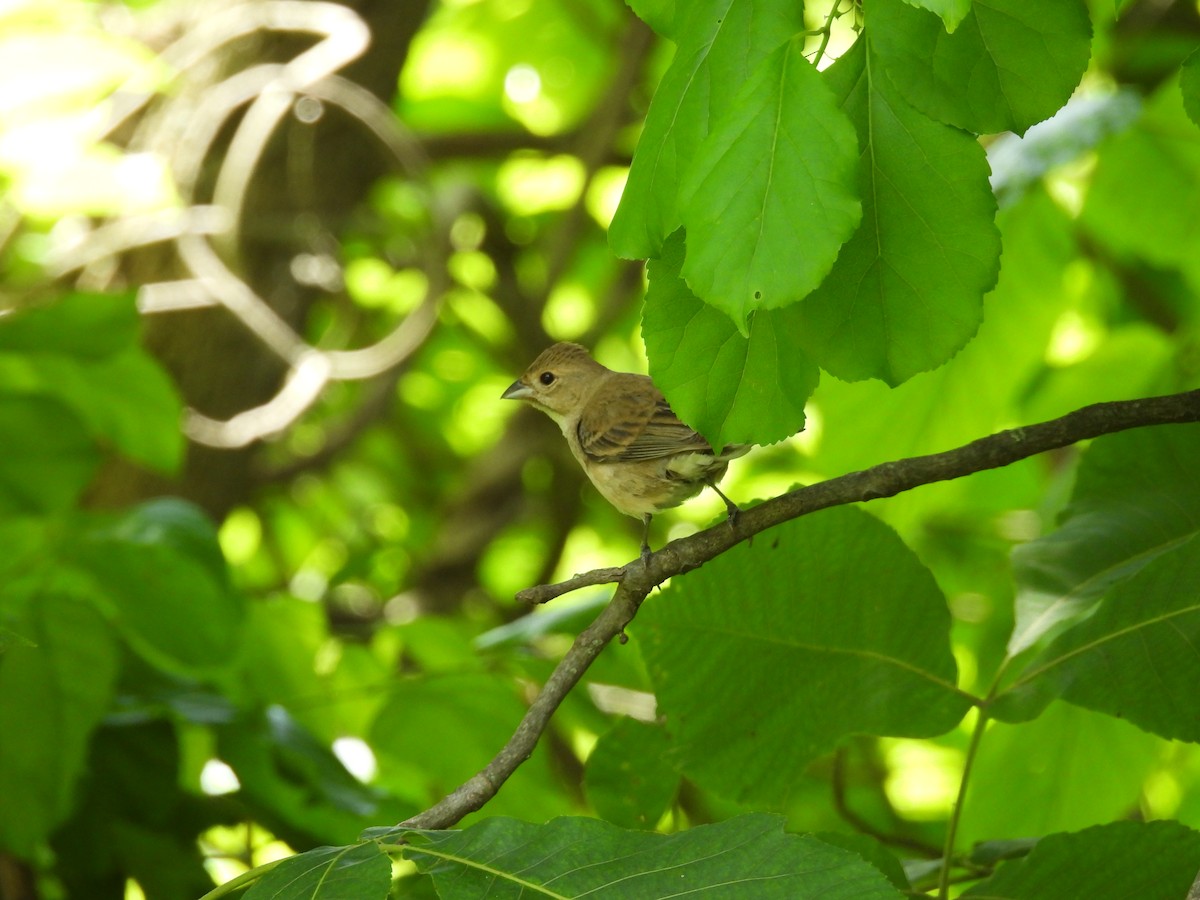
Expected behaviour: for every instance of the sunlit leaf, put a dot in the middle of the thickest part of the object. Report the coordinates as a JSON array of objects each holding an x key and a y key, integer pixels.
[
  {"x": 729, "y": 387},
  {"x": 1189, "y": 84},
  {"x": 907, "y": 290},
  {"x": 951, "y": 11},
  {"x": 720, "y": 42},
  {"x": 770, "y": 196},
  {"x": 1008, "y": 65}
]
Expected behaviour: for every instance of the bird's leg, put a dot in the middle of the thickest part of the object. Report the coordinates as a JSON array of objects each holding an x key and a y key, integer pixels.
[
  {"x": 646, "y": 538},
  {"x": 731, "y": 508}
]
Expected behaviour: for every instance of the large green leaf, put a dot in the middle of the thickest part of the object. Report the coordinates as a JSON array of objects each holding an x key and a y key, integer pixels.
[
  {"x": 749, "y": 856},
  {"x": 1136, "y": 496},
  {"x": 1136, "y": 656},
  {"x": 85, "y": 326},
  {"x": 1009, "y": 64},
  {"x": 359, "y": 871},
  {"x": 729, "y": 387},
  {"x": 48, "y": 457},
  {"x": 1146, "y": 860},
  {"x": 54, "y": 688},
  {"x": 765, "y": 658},
  {"x": 162, "y": 571},
  {"x": 770, "y": 196},
  {"x": 720, "y": 43},
  {"x": 907, "y": 290}
]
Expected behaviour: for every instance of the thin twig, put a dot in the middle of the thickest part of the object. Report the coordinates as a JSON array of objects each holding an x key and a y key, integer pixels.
[
  {"x": 544, "y": 593},
  {"x": 885, "y": 480}
]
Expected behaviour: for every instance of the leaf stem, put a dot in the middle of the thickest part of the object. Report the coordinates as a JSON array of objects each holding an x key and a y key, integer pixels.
[{"x": 952, "y": 829}]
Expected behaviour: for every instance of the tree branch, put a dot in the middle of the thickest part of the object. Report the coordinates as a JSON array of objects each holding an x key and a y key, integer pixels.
[{"x": 635, "y": 581}]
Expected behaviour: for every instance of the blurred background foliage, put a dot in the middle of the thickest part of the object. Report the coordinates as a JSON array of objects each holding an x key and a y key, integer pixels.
[{"x": 406, "y": 237}]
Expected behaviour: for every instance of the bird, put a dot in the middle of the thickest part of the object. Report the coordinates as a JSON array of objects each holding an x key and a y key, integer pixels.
[{"x": 620, "y": 428}]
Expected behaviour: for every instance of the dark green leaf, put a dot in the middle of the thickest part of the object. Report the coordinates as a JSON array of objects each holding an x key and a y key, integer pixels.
[
  {"x": 907, "y": 290},
  {"x": 1009, "y": 63},
  {"x": 872, "y": 851},
  {"x": 1137, "y": 495},
  {"x": 48, "y": 456},
  {"x": 1146, "y": 860},
  {"x": 162, "y": 570},
  {"x": 749, "y": 856},
  {"x": 1137, "y": 656},
  {"x": 720, "y": 43},
  {"x": 356, "y": 872},
  {"x": 774, "y": 173},
  {"x": 1189, "y": 84},
  {"x": 731, "y": 388},
  {"x": 629, "y": 779},
  {"x": 769, "y": 655},
  {"x": 53, "y": 691},
  {"x": 87, "y": 326}
]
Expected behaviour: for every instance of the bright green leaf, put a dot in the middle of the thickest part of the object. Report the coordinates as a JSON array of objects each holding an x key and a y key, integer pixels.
[
  {"x": 1009, "y": 63},
  {"x": 1136, "y": 496},
  {"x": 907, "y": 290},
  {"x": 1147, "y": 860},
  {"x": 730, "y": 388},
  {"x": 360, "y": 871},
  {"x": 628, "y": 778},
  {"x": 720, "y": 43},
  {"x": 87, "y": 326},
  {"x": 658, "y": 14},
  {"x": 54, "y": 688},
  {"x": 748, "y": 856},
  {"x": 952, "y": 12},
  {"x": 770, "y": 196},
  {"x": 832, "y": 626},
  {"x": 1137, "y": 656}
]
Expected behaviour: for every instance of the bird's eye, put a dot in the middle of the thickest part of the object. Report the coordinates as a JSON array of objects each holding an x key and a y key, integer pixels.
[{"x": 546, "y": 378}]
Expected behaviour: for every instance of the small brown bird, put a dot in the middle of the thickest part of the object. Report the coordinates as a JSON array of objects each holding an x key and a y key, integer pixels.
[{"x": 636, "y": 452}]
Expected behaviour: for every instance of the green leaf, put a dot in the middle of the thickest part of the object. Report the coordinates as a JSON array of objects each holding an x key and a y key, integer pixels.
[
  {"x": 837, "y": 602},
  {"x": 1189, "y": 85},
  {"x": 1136, "y": 656},
  {"x": 48, "y": 456},
  {"x": 1157, "y": 221},
  {"x": 748, "y": 856},
  {"x": 1137, "y": 495},
  {"x": 86, "y": 326},
  {"x": 776, "y": 172},
  {"x": 628, "y": 778},
  {"x": 1026, "y": 778},
  {"x": 951, "y": 11},
  {"x": 1009, "y": 63},
  {"x": 1147, "y": 860},
  {"x": 907, "y": 290},
  {"x": 360, "y": 871},
  {"x": 54, "y": 689},
  {"x": 720, "y": 43},
  {"x": 730, "y": 388},
  {"x": 161, "y": 569},
  {"x": 658, "y": 14}
]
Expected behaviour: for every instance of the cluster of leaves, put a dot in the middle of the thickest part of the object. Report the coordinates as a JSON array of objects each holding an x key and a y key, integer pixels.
[{"x": 795, "y": 218}]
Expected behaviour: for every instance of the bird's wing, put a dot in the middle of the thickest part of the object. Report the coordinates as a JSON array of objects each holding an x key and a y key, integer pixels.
[{"x": 633, "y": 421}]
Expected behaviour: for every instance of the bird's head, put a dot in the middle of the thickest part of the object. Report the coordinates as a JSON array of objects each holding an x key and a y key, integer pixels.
[{"x": 558, "y": 381}]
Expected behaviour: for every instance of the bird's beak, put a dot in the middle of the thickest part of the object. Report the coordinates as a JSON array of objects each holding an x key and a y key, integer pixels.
[{"x": 517, "y": 391}]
